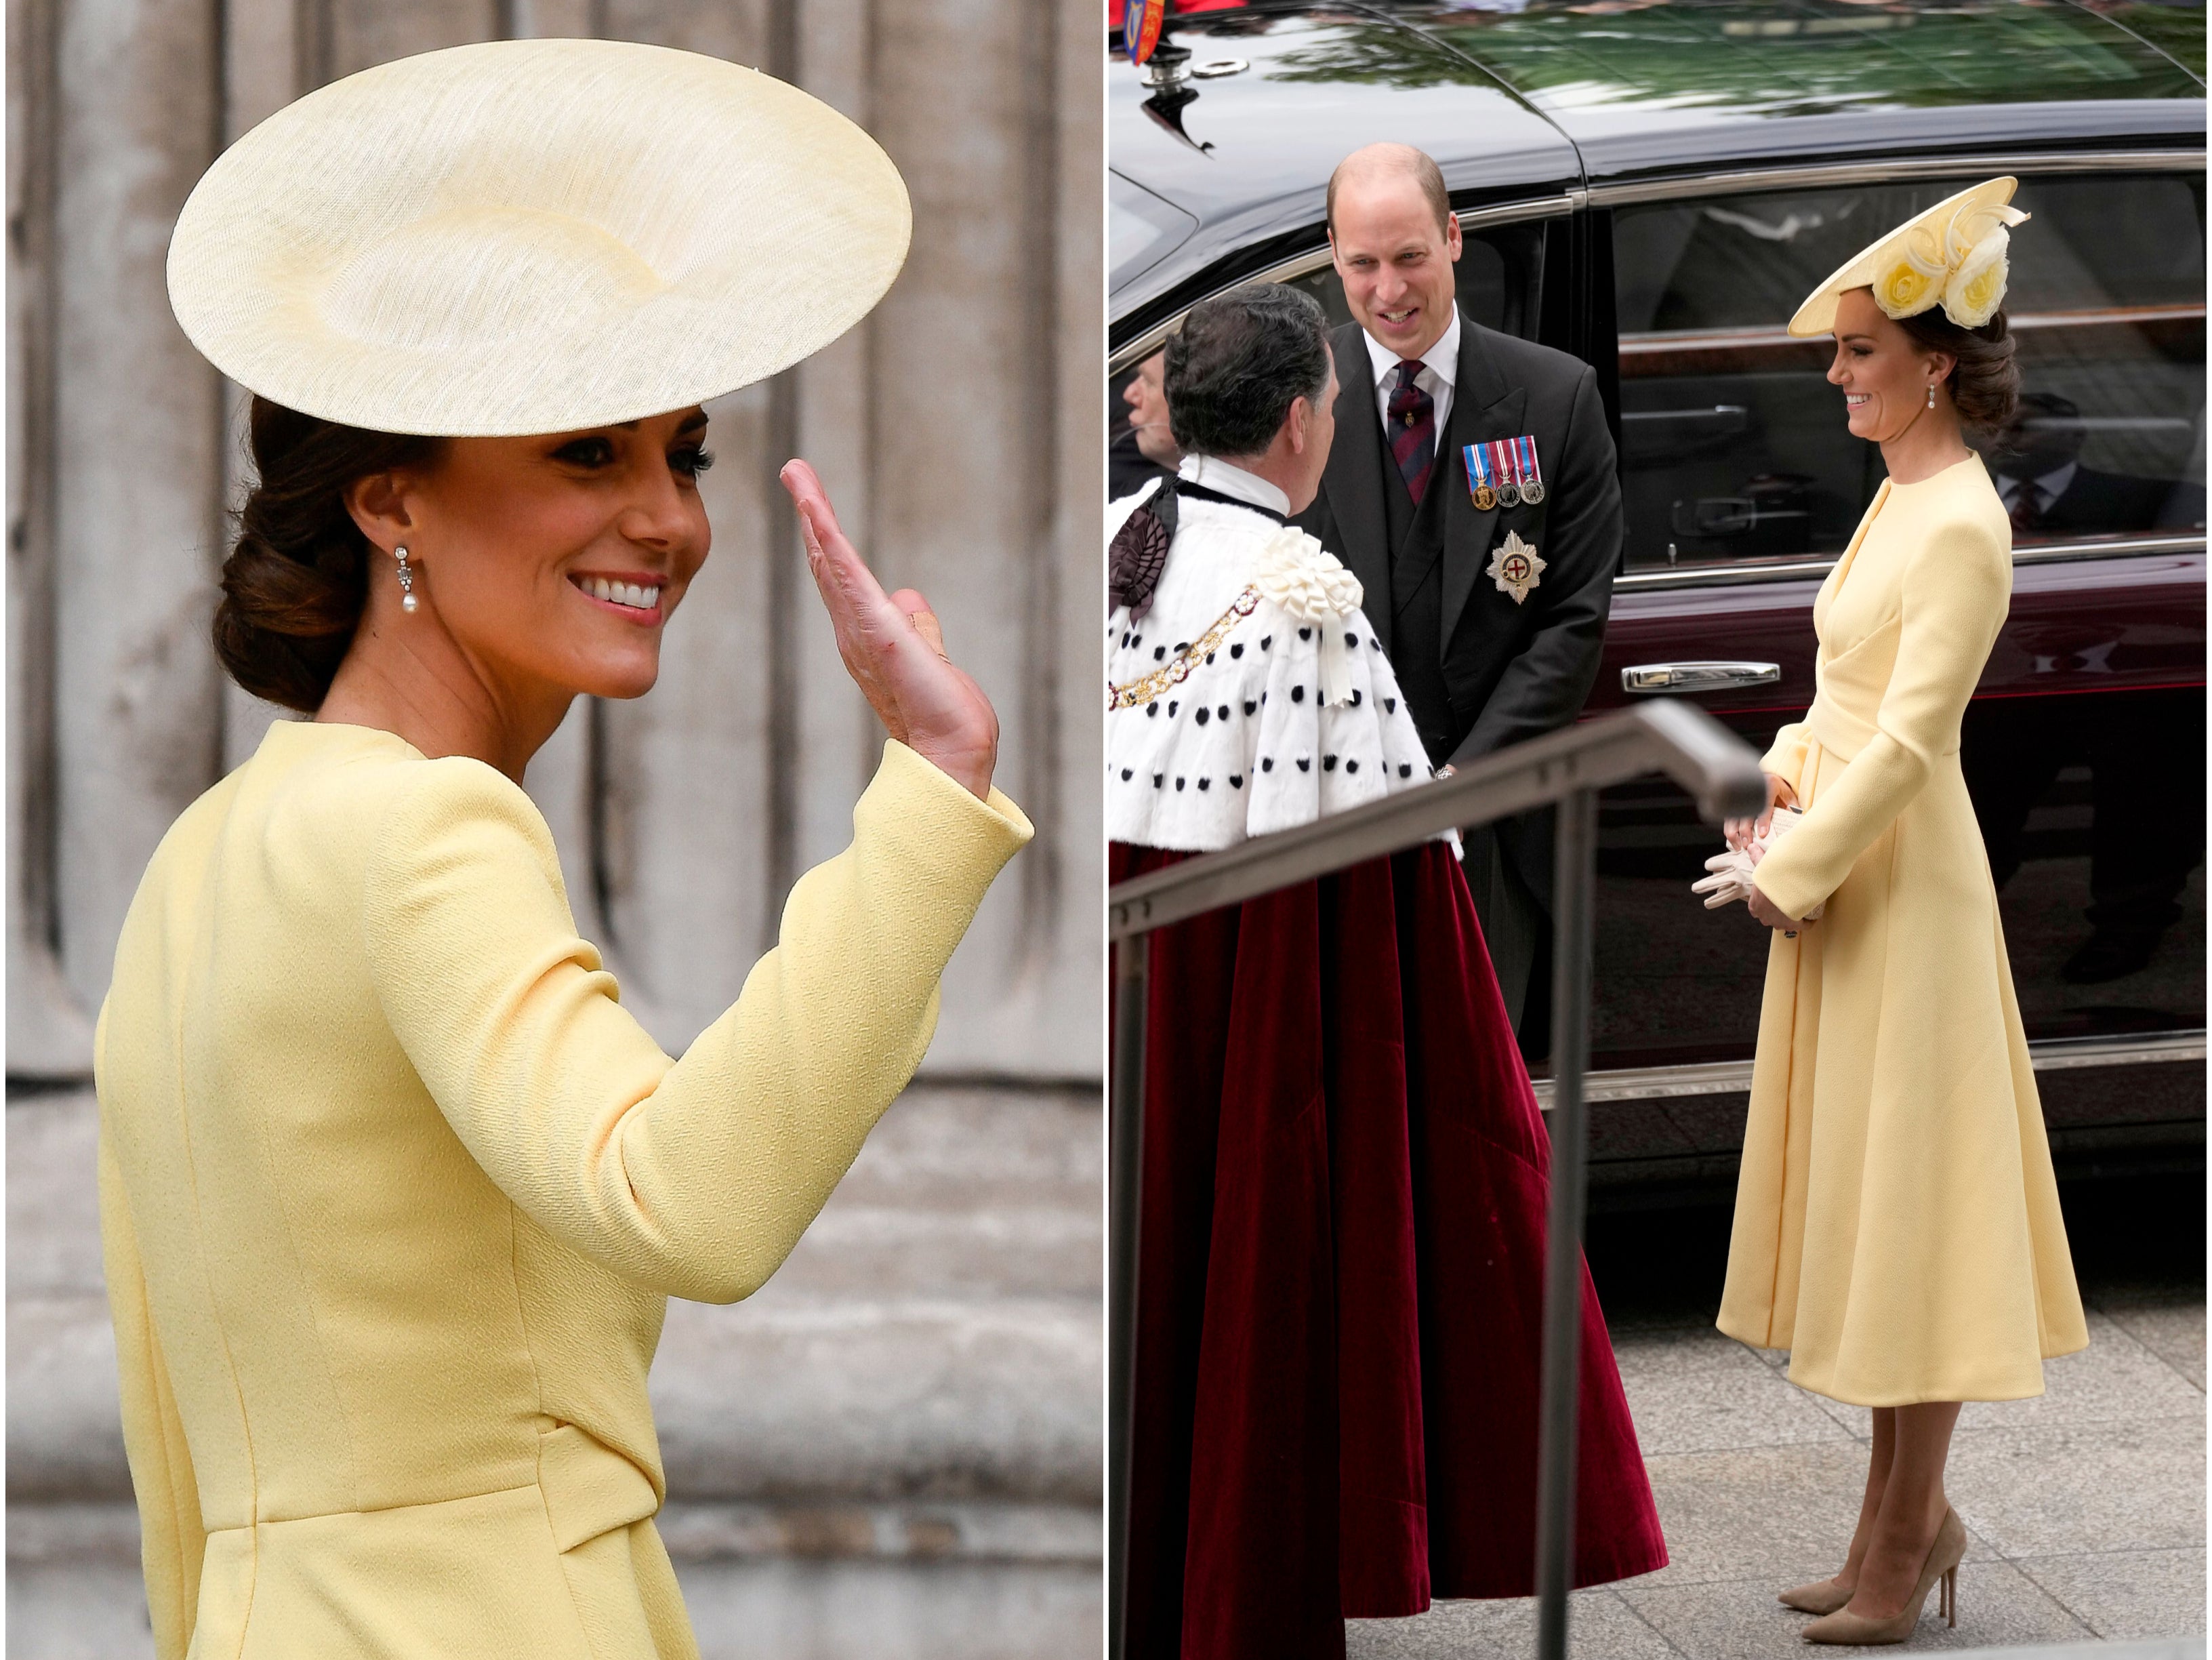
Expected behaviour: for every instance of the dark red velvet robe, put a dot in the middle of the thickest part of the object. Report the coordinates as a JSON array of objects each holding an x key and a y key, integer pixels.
[{"x": 1340, "y": 1280}]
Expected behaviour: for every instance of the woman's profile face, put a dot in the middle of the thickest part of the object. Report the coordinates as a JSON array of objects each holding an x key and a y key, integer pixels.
[
  {"x": 1884, "y": 372},
  {"x": 556, "y": 561}
]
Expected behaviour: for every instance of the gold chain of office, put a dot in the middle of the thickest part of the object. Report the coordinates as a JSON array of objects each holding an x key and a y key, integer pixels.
[{"x": 1176, "y": 669}]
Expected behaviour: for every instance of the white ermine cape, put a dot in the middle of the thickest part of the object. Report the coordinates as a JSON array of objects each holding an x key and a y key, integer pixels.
[{"x": 1286, "y": 709}]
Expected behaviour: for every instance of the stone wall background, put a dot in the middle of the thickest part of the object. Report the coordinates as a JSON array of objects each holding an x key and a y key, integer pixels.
[{"x": 894, "y": 1449}]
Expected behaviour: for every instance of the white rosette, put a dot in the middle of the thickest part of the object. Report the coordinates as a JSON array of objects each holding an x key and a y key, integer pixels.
[
  {"x": 1976, "y": 288},
  {"x": 1312, "y": 585}
]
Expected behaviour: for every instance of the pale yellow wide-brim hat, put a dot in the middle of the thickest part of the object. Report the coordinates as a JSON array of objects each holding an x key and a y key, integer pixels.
[
  {"x": 1955, "y": 255},
  {"x": 534, "y": 236}
]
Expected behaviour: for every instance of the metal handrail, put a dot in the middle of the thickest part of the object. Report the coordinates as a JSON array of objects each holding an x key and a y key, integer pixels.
[{"x": 1721, "y": 773}]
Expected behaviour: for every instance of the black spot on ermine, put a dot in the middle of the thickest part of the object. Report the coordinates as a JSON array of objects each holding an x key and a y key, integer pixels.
[
  {"x": 1203, "y": 715},
  {"x": 1237, "y": 650},
  {"x": 1237, "y": 780},
  {"x": 1297, "y": 694},
  {"x": 1266, "y": 764},
  {"x": 1328, "y": 764}
]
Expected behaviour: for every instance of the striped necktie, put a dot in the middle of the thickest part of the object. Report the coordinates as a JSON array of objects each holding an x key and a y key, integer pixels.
[{"x": 1413, "y": 429}]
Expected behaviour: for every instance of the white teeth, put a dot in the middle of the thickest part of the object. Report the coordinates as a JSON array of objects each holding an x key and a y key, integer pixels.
[{"x": 632, "y": 594}]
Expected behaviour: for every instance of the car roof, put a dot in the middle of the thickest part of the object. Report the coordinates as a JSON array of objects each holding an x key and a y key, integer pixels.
[{"x": 1523, "y": 98}]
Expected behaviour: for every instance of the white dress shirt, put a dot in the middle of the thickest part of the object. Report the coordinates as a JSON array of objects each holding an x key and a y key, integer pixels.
[
  {"x": 2048, "y": 487},
  {"x": 1439, "y": 369},
  {"x": 1216, "y": 474}
]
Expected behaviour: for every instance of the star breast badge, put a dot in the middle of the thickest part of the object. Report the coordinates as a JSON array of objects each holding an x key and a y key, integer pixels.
[{"x": 1516, "y": 566}]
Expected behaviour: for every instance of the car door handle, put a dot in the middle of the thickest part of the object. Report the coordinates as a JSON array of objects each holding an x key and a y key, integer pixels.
[{"x": 1698, "y": 677}]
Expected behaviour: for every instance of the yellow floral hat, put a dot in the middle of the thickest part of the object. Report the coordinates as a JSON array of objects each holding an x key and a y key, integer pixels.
[{"x": 1953, "y": 255}]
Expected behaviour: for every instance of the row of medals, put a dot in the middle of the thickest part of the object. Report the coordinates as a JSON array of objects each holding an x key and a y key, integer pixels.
[{"x": 1509, "y": 494}]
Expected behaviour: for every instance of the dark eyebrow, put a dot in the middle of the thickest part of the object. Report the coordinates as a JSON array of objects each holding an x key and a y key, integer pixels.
[{"x": 1869, "y": 338}]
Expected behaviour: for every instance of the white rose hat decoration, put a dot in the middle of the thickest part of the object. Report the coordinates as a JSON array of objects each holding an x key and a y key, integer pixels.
[{"x": 1956, "y": 255}]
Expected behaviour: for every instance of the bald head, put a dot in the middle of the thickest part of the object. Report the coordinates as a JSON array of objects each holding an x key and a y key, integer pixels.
[
  {"x": 1389, "y": 168},
  {"x": 1396, "y": 244}
]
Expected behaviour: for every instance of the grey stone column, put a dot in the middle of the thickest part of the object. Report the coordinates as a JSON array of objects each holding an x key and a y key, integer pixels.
[{"x": 136, "y": 416}]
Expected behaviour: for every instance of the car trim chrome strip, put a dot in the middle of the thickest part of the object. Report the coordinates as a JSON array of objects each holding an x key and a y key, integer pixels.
[
  {"x": 1304, "y": 264},
  {"x": 1733, "y": 1077},
  {"x": 1817, "y": 566},
  {"x": 1878, "y": 173}
]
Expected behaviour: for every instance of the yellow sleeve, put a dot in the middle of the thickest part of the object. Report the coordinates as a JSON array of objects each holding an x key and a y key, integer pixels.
[
  {"x": 1955, "y": 592},
  {"x": 1785, "y": 756},
  {"x": 172, "y": 1540},
  {"x": 696, "y": 1176}
]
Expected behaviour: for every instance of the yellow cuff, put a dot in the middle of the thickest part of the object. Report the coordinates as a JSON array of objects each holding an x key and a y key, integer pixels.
[{"x": 996, "y": 819}]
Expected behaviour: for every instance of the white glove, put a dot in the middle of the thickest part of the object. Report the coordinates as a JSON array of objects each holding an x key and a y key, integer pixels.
[{"x": 1730, "y": 880}]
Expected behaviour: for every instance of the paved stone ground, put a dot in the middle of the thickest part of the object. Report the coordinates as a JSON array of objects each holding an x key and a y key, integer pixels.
[{"x": 2085, "y": 1508}]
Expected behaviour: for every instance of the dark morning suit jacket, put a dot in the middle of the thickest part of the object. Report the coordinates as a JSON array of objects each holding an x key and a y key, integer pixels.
[{"x": 1479, "y": 672}]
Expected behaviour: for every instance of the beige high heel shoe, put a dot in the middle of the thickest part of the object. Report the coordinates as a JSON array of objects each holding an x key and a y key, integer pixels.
[
  {"x": 1844, "y": 1626},
  {"x": 1821, "y": 1596}
]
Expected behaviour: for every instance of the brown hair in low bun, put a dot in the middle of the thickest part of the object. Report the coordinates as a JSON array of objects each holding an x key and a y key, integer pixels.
[
  {"x": 1985, "y": 384},
  {"x": 296, "y": 578}
]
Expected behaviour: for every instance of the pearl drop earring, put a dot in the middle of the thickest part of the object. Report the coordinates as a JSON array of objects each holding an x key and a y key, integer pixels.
[
  {"x": 1931, "y": 403},
  {"x": 407, "y": 601}
]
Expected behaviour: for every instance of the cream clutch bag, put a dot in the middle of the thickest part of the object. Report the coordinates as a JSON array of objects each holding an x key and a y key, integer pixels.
[{"x": 1730, "y": 879}]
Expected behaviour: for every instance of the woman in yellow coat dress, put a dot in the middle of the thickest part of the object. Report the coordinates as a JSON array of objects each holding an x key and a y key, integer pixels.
[
  {"x": 393, "y": 1191},
  {"x": 1897, "y": 1224}
]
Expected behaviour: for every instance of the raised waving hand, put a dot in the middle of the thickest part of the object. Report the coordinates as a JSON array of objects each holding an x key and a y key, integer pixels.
[{"x": 894, "y": 650}]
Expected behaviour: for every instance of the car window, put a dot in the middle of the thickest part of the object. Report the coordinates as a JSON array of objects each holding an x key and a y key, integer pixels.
[
  {"x": 1733, "y": 444},
  {"x": 1141, "y": 229}
]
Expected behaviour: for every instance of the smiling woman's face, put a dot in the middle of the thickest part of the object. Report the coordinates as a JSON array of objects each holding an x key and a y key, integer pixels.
[
  {"x": 555, "y": 561},
  {"x": 1884, "y": 372}
]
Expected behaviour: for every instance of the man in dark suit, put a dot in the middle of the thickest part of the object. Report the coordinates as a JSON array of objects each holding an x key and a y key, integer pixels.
[
  {"x": 1492, "y": 604},
  {"x": 2050, "y": 496}
]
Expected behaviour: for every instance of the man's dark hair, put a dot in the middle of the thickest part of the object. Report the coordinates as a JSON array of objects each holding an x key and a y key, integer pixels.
[{"x": 1241, "y": 359}]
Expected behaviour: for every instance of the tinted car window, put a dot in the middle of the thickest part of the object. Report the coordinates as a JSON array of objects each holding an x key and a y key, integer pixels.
[
  {"x": 1141, "y": 229},
  {"x": 1733, "y": 446}
]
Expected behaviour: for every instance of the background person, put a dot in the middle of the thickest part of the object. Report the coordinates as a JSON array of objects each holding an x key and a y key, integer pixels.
[
  {"x": 1340, "y": 1255},
  {"x": 1144, "y": 446},
  {"x": 1897, "y": 1222},
  {"x": 1486, "y": 660},
  {"x": 393, "y": 1191}
]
